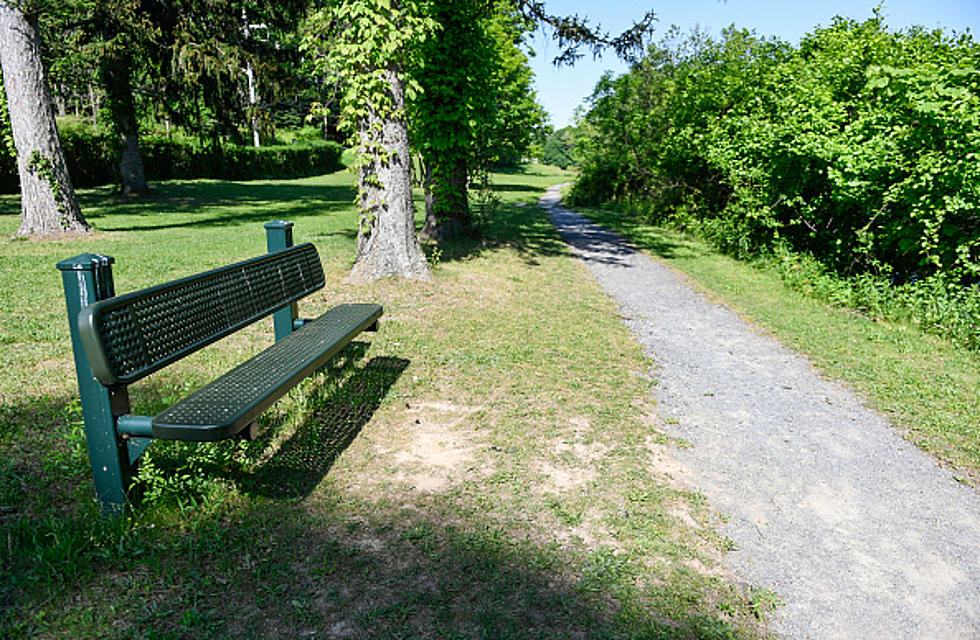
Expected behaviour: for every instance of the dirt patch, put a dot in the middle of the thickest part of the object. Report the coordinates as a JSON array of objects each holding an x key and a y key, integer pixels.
[
  {"x": 437, "y": 452},
  {"x": 561, "y": 478}
]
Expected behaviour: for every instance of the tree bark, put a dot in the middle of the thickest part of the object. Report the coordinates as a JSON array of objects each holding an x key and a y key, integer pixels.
[
  {"x": 447, "y": 206},
  {"x": 93, "y": 100},
  {"x": 117, "y": 77},
  {"x": 48, "y": 202},
  {"x": 387, "y": 244},
  {"x": 253, "y": 106}
]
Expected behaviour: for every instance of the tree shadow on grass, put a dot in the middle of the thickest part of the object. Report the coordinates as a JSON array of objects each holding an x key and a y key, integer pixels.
[
  {"x": 514, "y": 186},
  {"x": 526, "y": 229},
  {"x": 43, "y": 458},
  {"x": 347, "y": 567},
  {"x": 334, "y": 565},
  {"x": 213, "y": 203},
  {"x": 658, "y": 241},
  {"x": 529, "y": 230}
]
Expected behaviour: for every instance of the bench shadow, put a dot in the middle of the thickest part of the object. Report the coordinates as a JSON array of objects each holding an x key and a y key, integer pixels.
[{"x": 336, "y": 415}]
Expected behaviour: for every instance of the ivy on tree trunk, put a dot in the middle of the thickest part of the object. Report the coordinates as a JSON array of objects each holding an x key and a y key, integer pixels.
[
  {"x": 386, "y": 243},
  {"x": 371, "y": 42}
]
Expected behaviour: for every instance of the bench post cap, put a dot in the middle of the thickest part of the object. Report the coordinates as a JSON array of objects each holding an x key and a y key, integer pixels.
[
  {"x": 85, "y": 262},
  {"x": 279, "y": 236}
]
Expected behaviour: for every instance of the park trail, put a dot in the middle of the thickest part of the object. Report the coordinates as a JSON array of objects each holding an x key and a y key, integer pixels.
[{"x": 860, "y": 534}]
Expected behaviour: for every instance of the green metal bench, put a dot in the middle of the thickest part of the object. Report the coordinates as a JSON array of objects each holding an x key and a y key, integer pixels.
[{"x": 118, "y": 340}]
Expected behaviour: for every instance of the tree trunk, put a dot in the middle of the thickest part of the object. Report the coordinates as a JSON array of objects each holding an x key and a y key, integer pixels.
[
  {"x": 93, "y": 100},
  {"x": 447, "y": 206},
  {"x": 430, "y": 200},
  {"x": 253, "y": 105},
  {"x": 118, "y": 84},
  {"x": 48, "y": 202},
  {"x": 386, "y": 242},
  {"x": 59, "y": 102}
]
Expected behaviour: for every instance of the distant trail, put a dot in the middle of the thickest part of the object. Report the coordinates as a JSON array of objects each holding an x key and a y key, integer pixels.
[{"x": 859, "y": 532}]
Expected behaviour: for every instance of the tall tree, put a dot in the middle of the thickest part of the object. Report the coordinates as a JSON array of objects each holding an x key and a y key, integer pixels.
[
  {"x": 517, "y": 119},
  {"x": 205, "y": 55},
  {"x": 454, "y": 75},
  {"x": 574, "y": 32},
  {"x": 119, "y": 26},
  {"x": 116, "y": 74},
  {"x": 104, "y": 41},
  {"x": 48, "y": 202},
  {"x": 477, "y": 105},
  {"x": 369, "y": 44}
]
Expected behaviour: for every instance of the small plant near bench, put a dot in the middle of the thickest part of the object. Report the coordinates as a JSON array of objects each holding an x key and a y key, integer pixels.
[{"x": 118, "y": 340}]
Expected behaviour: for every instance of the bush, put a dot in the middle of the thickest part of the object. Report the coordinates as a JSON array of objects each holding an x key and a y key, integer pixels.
[
  {"x": 164, "y": 159},
  {"x": 557, "y": 148},
  {"x": 93, "y": 159},
  {"x": 859, "y": 146},
  {"x": 850, "y": 160},
  {"x": 937, "y": 304}
]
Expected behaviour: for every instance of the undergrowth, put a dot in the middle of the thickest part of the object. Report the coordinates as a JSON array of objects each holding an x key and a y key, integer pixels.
[{"x": 935, "y": 303}]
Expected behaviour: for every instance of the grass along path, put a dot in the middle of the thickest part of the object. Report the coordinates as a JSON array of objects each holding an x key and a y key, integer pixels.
[
  {"x": 484, "y": 467},
  {"x": 926, "y": 386},
  {"x": 857, "y": 531}
]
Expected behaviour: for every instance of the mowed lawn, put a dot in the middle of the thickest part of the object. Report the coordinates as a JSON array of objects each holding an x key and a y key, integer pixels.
[{"x": 488, "y": 465}]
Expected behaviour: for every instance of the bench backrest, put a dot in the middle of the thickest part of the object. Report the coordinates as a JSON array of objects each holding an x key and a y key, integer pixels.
[{"x": 130, "y": 336}]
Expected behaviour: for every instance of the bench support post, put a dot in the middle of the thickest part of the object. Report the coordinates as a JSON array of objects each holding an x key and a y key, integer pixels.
[
  {"x": 87, "y": 279},
  {"x": 279, "y": 236}
]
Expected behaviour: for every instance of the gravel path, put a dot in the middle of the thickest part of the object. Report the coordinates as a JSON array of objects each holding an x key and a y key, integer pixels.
[{"x": 859, "y": 533}]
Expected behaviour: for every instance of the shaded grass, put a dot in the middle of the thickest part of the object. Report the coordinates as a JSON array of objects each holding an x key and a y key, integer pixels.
[
  {"x": 486, "y": 467},
  {"x": 926, "y": 385}
]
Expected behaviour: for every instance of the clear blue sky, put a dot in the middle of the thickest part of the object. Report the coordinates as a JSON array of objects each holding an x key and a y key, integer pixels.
[{"x": 562, "y": 90}]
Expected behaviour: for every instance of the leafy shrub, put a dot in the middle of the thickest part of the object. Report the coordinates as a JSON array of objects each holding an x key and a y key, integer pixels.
[
  {"x": 164, "y": 159},
  {"x": 859, "y": 149},
  {"x": 92, "y": 159},
  {"x": 860, "y": 146},
  {"x": 557, "y": 148}
]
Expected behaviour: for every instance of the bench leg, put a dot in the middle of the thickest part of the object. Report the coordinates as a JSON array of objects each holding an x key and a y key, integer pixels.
[{"x": 88, "y": 278}]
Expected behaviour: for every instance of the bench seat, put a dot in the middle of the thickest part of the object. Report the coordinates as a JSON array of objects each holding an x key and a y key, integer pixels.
[{"x": 229, "y": 404}]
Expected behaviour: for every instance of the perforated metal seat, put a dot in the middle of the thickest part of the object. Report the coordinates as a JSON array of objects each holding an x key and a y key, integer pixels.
[
  {"x": 130, "y": 336},
  {"x": 230, "y": 403}
]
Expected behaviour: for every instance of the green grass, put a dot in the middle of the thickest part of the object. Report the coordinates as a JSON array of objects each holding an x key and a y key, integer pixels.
[
  {"x": 488, "y": 466},
  {"x": 927, "y": 386}
]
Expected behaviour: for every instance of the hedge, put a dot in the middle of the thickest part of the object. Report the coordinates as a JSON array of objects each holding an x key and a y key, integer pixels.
[{"x": 93, "y": 160}]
